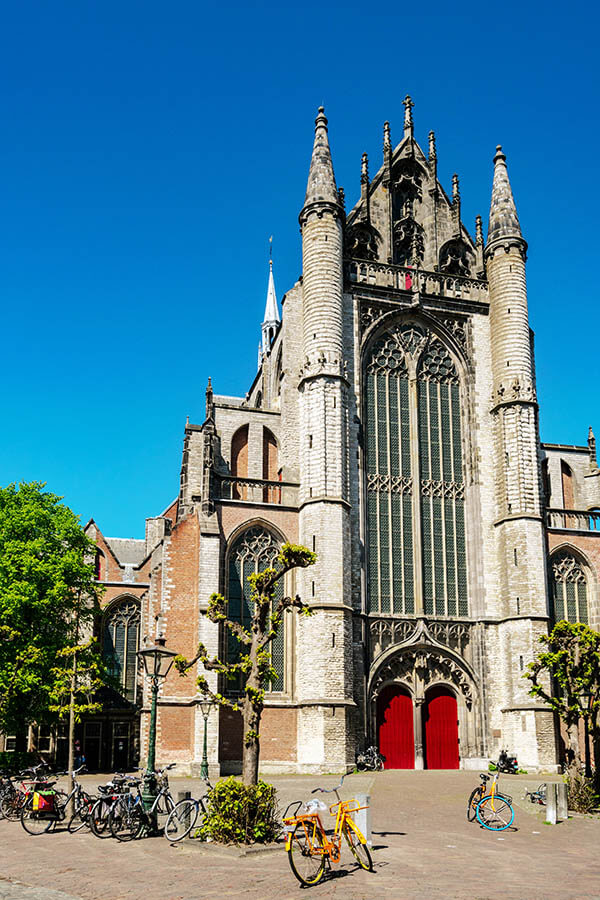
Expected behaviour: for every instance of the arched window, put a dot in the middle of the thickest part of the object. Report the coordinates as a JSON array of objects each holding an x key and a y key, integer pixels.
[
  {"x": 253, "y": 551},
  {"x": 569, "y": 592},
  {"x": 270, "y": 467},
  {"x": 100, "y": 563},
  {"x": 567, "y": 485},
  {"x": 413, "y": 438},
  {"x": 121, "y": 643},
  {"x": 239, "y": 462}
]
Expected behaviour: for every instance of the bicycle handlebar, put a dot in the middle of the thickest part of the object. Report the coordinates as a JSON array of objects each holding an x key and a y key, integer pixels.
[{"x": 330, "y": 790}]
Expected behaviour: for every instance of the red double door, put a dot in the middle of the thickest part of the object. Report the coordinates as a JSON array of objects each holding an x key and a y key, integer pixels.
[{"x": 395, "y": 727}]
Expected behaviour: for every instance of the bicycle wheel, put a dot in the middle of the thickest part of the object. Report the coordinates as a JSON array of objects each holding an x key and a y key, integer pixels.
[
  {"x": 81, "y": 817},
  {"x": 181, "y": 820},
  {"x": 99, "y": 819},
  {"x": 34, "y": 821},
  {"x": 12, "y": 805},
  {"x": 305, "y": 852},
  {"x": 495, "y": 813},
  {"x": 126, "y": 821},
  {"x": 359, "y": 850},
  {"x": 476, "y": 795}
]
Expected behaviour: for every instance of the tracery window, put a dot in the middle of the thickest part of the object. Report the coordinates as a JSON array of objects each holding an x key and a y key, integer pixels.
[
  {"x": 415, "y": 483},
  {"x": 253, "y": 551},
  {"x": 121, "y": 643},
  {"x": 568, "y": 589}
]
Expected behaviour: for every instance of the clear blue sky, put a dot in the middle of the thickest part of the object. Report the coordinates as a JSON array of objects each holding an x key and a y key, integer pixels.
[{"x": 149, "y": 150}]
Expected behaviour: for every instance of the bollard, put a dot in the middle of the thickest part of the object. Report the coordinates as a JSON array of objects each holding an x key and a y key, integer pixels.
[
  {"x": 551, "y": 803},
  {"x": 363, "y": 817},
  {"x": 185, "y": 795},
  {"x": 562, "y": 802}
]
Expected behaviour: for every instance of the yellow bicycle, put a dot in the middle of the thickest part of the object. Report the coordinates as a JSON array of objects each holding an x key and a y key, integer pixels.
[{"x": 309, "y": 848}]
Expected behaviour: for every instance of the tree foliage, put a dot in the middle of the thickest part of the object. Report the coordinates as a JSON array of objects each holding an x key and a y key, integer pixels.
[
  {"x": 253, "y": 665},
  {"x": 48, "y": 594},
  {"x": 570, "y": 662}
]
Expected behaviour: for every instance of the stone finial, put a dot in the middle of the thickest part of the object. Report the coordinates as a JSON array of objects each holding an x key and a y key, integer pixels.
[
  {"x": 342, "y": 197},
  {"x": 432, "y": 149},
  {"x": 504, "y": 222},
  {"x": 408, "y": 117},
  {"x": 364, "y": 169},
  {"x": 591, "y": 442},
  {"x": 387, "y": 138},
  {"x": 478, "y": 231},
  {"x": 209, "y": 399},
  {"x": 321, "y": 185},
  {"x": 455, "y": 188}
]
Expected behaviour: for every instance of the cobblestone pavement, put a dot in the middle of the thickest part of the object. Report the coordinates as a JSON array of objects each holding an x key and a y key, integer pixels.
[{"x": 423, "y": 848}]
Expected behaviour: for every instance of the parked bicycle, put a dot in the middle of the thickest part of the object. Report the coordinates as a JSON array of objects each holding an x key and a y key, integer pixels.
[
  {"x": 537, "y": 796},
  {"x": 307, "y": 844},
  {"x": 493, "y": 810},
  {"x": 109, "y": 794},
  {"x": 22, "y": 785},
  {"x": 185, "y": 816},
  {"x": 370, "y": 759},
  {"x": 45, "y": 806},
  {"x": 128, "y": 817}
]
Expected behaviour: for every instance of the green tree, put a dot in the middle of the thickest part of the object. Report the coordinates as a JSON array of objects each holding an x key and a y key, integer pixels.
[
  {"x": 48, "y": 600},
  {"x": 570, "y": 662},
  {"x": 253, "y": 664}
]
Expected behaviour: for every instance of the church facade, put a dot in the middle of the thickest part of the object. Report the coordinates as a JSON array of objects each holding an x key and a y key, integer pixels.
[{"x": 392, "y": 427}]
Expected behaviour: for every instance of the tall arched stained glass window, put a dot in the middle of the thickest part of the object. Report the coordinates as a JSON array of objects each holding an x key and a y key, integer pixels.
[
  {"x": 121, "y": 643},
  {"x": 389, "y": 480},
  {"x": 569, "y": 589},
  {"x": 253, "y": 551},
  {"x": 415, "y": 482}
]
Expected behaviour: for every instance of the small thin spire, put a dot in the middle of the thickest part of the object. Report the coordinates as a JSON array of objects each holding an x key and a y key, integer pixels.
[
  {"x": 408, "y": 117},
  {"x": 342, "y": 197},
  {"x": 271, "y": 308},
  {"x": 387, "y": 138},
  {"x": 455, "y": 188},
  {"x": 209, "y": 399},
  {"x": 592, "y": 450},
  {"x": 432, "y": 149},
  {"x": 478, "y": 231},
  {"x": 504, "y": 221},
  {"x": 364, "y": 169},
  {"x": 321, "y": 180}
]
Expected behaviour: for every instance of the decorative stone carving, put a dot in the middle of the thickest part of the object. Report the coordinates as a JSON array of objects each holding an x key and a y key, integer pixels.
[
  {"x": 519, "y": 388},
  {"x": 437, "y": 365},
  {"x": 361, "y": 242},
  {"x": 409, "y": 242},
  {"x": 443, "y": 489},
  {"x": 456, "y": 258},
  {"x": 458, "y": 330},
  {"x": 387, "y": 357},
  {"x": 393, "y": 484}
]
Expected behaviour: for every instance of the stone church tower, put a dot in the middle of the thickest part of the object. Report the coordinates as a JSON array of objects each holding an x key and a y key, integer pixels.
[{"x": 392, "y": 427}]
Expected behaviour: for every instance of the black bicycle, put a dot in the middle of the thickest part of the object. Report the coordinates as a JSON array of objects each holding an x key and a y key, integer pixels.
[
  {"x": 129, "y": 817},
  {"x": 370, "y": 759}
]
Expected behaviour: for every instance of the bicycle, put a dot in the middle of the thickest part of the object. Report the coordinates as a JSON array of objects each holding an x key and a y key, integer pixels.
[
  {"x": 494, "y": 811},
  {"x": 477, "y": 794},
  {"x": 15, "y": 798},
  {"x": 110, "y": 793},
  {"x": 45, "y": 807},
  {"x": 371, "y": 759},
  {"x": 128, "y": 816},
  {"x": 184, "y": 816},
  {"x": 537, "y": 796},
  {"x": 309, "y": 848}
]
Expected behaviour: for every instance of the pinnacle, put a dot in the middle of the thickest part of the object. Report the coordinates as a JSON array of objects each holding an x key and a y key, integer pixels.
[
  {"x": 504, "y": 221},
  {"x": 321, "y": 180}
]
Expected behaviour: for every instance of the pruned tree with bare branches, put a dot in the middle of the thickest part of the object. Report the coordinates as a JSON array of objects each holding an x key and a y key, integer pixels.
[{"x": 253, "y": 665}]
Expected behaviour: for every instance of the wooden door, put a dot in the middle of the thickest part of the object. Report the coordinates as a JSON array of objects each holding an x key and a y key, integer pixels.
[
  {"x": 395, "y": 728},
  {"x": 440, "y": 731}
]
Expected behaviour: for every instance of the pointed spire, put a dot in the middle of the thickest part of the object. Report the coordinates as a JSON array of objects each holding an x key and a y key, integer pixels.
[
  {"x": 271, "y": 308},
  {"x": 455, "y": 189},
  {"x": 387, "y": 138},
  {"x": 432, "y": 150},
  {"x": 364, "y": 169},
  {"x": 342, "y": 197},
  {"x": 209, "y": 399},
  {"x": 321, "y": 180},
  {"x": 592, "y": 450},
  {"x": 478, "y": 231},
  {"x": 504, "y": 222},
  {"x": 408, "y": 118}
]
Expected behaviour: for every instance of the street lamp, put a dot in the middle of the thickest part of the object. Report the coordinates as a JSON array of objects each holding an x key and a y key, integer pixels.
[
  {"x": 205, "y": 707},
  {"x": 157, "y": 663},
  {"x": 585, "y": 698}
]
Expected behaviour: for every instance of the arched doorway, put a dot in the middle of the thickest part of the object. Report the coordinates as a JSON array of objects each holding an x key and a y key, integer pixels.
[
  {"x": 440, "y": 729},
  {"x": 395, "y": 728}
]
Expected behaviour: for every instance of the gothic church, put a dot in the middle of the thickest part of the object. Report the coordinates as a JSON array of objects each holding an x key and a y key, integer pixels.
[{"x": 392, "y": 427}]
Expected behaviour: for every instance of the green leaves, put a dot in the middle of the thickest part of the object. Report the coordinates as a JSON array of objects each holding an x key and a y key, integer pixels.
[
  {"x": 241, "y": 814},
  {"x": 47, "y": 591}
]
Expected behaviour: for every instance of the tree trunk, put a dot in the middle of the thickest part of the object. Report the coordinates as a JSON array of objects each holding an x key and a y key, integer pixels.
[
  {"x": 71, "y": 765},
  {"x": 573, "y": 751},
  {"x": 252, "y": 712}
]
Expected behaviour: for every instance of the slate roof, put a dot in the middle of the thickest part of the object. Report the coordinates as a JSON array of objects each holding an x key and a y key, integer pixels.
[{"x": 129, "y": 551}]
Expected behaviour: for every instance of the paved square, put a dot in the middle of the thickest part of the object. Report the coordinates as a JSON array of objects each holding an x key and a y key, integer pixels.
[{"x": 423, "y": 848}]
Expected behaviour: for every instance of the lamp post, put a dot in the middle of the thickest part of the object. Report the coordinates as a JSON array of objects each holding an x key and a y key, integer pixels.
[
  {"x": 157, "y": 663},
  {"x": 586, "y": 698},
  {"x": 205, "y": 707}
]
